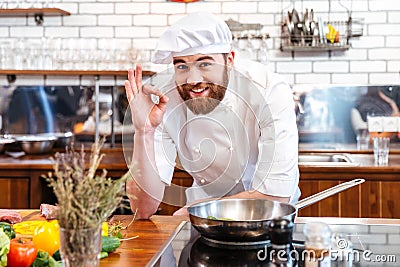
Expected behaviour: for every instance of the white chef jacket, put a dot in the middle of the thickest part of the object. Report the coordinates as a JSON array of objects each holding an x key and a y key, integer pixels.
[{"x": 248, "y": 142}]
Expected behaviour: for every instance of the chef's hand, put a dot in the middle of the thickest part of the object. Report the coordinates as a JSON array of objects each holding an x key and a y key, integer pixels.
[
  {"x": 146, "y": 115},
  {"x": 181, "y": 212}
]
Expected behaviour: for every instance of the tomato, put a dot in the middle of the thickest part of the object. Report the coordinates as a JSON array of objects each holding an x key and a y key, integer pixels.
[
  {"x": 22, "y": 253},
  {"x": 47, "y": 237}
]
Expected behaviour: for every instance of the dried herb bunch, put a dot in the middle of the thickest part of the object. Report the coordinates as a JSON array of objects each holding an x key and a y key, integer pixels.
[{"x": 85, "y": 199}]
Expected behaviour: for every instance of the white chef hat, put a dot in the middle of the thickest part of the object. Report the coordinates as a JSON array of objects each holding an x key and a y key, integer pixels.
[{"x": 196, "y": 33}]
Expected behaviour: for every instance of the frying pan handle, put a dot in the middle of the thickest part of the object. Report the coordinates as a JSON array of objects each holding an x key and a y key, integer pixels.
[{"x": 328, "y": 192}]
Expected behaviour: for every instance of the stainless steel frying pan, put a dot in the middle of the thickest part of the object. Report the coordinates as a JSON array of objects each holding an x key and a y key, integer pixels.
[{"x": 246, "y": 220}]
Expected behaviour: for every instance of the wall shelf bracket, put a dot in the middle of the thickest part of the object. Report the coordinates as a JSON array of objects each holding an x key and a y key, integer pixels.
[
  {"x": 11, "y": 78},
  {"x": 38, "y": 18}
]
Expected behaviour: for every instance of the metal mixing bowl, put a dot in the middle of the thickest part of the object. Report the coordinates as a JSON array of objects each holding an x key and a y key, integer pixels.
[
  {"x": 33, "y": 144},
  {"x": 4, "y": 142},
  {"x": 63, "y": 139}
]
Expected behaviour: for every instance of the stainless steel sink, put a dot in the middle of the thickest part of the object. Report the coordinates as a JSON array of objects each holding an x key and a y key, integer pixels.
[{"x": 326, "y": 159}]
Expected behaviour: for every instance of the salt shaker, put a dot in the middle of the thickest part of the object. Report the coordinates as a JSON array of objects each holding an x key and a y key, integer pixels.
[{"x": 317, "y": 244}]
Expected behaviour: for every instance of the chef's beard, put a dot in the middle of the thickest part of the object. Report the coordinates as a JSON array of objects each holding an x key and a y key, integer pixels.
[{"x": 204, "y": 105}]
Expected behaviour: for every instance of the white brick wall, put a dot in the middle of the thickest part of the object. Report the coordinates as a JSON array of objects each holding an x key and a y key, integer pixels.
[{"x": 373, "y": 58}]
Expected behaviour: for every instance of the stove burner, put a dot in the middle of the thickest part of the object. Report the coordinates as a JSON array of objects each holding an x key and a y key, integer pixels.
[
  {"x": 235, "y": 245},
  {"x": 206, "y": 253}
]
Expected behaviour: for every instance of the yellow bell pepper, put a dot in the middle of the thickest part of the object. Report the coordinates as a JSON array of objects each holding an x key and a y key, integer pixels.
[
  {"x": 331, "y": 35},
  {"x": 104, "y": 229},
  {"x": 47, "y": 237},
  {"x": 27, "y": 227}
]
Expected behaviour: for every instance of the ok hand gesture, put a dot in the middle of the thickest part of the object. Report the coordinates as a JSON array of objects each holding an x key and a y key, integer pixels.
[{"x": 146, "y": 115}]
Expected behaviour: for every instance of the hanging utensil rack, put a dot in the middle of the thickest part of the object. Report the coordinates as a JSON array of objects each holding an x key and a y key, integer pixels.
[{"x": 308, "y": 34}]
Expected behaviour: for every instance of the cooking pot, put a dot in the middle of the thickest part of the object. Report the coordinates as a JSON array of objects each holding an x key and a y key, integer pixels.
[{"x": 233, "y": 220}]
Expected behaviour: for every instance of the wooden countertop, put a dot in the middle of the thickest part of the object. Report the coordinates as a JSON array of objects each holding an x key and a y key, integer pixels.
[
  {"x": 152, "y": 234},
  {"x": 114, "y": 160}
]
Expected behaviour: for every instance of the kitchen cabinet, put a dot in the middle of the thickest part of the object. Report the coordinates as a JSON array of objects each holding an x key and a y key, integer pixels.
[
  {"x": 14, "y": 192},
  {"x": 22, "y": 188},
  {"x": 377, "y": 197},
  {"x": 373, "y": 199}
]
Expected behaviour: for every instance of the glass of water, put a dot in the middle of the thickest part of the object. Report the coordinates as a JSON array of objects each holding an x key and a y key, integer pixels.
[{"x": 381, "y": 150}]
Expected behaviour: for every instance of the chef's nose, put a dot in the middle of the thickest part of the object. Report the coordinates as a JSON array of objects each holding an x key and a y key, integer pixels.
[{"x": 195, "y": 76}]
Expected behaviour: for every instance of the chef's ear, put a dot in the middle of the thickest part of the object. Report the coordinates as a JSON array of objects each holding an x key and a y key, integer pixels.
[{"x": 230, "y": 59}]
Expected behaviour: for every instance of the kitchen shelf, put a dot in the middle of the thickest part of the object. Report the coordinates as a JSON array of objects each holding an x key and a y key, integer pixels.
[
  {"x": 72, "y": 72},
  {"x": 22, "y": 12},
  {"x": 37, "y": 13},
  {"x": 293, "y": 48},
  {"x": 321, "y": 48}
]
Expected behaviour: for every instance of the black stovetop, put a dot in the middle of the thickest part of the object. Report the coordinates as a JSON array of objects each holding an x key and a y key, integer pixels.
[{"x": 187, "y": 248}]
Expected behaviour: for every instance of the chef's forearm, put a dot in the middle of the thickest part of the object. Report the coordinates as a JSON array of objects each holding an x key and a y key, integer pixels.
[{"x": 147, "y": 188}]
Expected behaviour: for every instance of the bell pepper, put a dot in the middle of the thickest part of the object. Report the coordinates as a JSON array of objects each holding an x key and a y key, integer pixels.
[
  {"x": 22, "y": 253},
  {"x": 104, "y": 229},
  {"x": 47, "y": 237}
]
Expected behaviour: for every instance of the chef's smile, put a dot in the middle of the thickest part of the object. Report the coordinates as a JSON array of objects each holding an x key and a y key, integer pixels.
[{"x": 199, "y": 92}]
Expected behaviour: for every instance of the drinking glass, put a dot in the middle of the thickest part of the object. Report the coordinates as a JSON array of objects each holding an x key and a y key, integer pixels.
[{"x": 381, "y": 150}]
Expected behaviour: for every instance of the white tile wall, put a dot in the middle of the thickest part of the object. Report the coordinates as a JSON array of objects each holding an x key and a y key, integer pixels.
[
  {"x": 372, "y": 66},
  {"x": 331, "y": 67},
  {"x": 129, "y": 8},
  {"x": 394, "y": 66},
  {"x": 98, "y": 8},
  {"x": 79, "y": 20},
  {"x": 374, "y": 58}
]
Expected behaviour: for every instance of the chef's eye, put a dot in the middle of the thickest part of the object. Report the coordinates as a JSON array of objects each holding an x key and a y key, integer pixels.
[
  {"x": 181, "y": 67},
  {"x": 205, "y": 64}
]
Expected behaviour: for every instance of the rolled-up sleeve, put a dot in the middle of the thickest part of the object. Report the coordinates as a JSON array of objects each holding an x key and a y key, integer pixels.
[
  {"x": 277, "y": 171},
  {"x": 165, "y": 155}
]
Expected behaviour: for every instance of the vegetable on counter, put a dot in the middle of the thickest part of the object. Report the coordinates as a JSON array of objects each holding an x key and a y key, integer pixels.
[
  {"x": 109, "y": 243},
  {"x": 210, "y": 217},
  {"x": 27, "y": 227},
  {"x": 43, "y": 259},
  {"x": 4, "y": 248},
  {"x": 104, "y": 229},
  {"x": 22, "y": 253},
  {"x": 8, "y": 229},
  {"x": 47, "y": 237}
]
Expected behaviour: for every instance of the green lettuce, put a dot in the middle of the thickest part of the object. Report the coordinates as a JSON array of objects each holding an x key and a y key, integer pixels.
[{"x": 4, "y": 248}]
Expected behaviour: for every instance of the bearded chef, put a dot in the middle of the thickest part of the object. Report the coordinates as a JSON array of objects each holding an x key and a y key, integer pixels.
[{"x": 229, "y": 123}]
